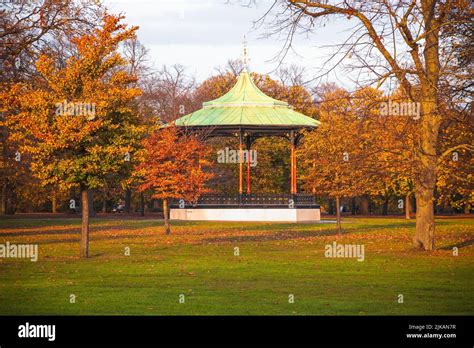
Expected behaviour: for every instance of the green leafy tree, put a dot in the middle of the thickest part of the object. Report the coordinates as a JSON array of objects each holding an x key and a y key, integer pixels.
[{"x": 75, "y": 121}]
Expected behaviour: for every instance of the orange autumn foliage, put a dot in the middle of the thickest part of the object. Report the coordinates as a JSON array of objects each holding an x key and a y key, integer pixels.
[{"x": 174, "y": 165}]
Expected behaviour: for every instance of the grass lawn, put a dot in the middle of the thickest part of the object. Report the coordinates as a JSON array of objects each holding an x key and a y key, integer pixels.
[{"x": 198, "y": 261}]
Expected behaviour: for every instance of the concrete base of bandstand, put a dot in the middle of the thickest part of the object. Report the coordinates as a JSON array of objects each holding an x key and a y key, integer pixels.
[{"x": 247, "y": 214}]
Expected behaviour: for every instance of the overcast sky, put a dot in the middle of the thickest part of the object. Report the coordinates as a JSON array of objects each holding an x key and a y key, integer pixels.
[{"x": 204, "y": 34}]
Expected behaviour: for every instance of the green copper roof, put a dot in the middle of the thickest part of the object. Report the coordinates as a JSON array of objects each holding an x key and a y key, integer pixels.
[{"x": 246, "y": 105}]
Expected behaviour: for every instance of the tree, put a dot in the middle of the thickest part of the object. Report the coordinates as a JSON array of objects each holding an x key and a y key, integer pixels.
[
  {"x": 397, "y": 138},
  {"x": 455, "y": 185},
  {"x": 75, "y": 121},
  {"x": 169, "y": 92},
  {"x": 336, "y": 158},
  {"x": 174, "y": 166},
  {"x": 136, "y": 56},
  {"x": 27, "y": 29},
  {"x": 401, "y": 40}
]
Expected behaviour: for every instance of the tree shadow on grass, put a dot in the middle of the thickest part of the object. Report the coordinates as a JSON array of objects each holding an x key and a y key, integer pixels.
[
  {"x": 92, "y": 239},
  {"x": 71, "y": 230},
  {"x": 208, "y": 227},
  {"x": 274, "y": 236},
  {"x": 235, "y": 232},
  {"x": 41, "y": 233},
  {"x": 96, "y": 223},
  {"x": 458, "y": 245},
  {"x": 281, "y": 231}
]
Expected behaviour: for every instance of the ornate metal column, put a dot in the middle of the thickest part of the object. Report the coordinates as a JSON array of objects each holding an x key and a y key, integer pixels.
[
  {"x": 241, "y": 147},
  {"x": 248, "y": 143},
  {"x": 292, "y": 163}
]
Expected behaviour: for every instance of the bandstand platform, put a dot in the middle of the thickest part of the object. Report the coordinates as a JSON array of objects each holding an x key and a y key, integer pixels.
[{"x": 249, "y": 207}]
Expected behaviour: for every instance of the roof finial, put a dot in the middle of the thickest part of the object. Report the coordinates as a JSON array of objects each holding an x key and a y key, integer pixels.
[{"x": 245, "y": 52}]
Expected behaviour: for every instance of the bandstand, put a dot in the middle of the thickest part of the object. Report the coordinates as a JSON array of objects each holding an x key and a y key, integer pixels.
[{"x": 247, "y": 113}]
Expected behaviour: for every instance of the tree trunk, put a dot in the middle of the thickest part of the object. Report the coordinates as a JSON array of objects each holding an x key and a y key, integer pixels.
[
  {"x": 413, "y": 203},
  {"x": 353, "y": 206},
  {"x": 430, "y": 122},
  {"x": 330, "y": 207},
  {"x": 338, "y": 215},
  {"x": 128, "y": 199},
  {"x": 467, "y": 209},
  {"x": 424, "y": 191},
  {"x": 3, "y": 203},
  {"x": 426, "y": 179},
  {"x": 424, "y": 235},
  {"x": 165, "y": 215},
  {"x": 364, "y": 205},
  {"x": 91, "y": 203},
  {"x": 142, "y": 204},
  {"x": 54, "y": 204},
  {"x": 407, "y": 206},
  {"x": 385, "y": 206},
  {"x": 85, "y": 224},
  {"x": 9, "y": 199},
  {"x": 437, "y": 209},
  {"x": 104, "y": 205}
]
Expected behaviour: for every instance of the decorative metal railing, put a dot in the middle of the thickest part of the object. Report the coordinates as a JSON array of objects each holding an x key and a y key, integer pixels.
[{"x": 299, "y": 200}]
